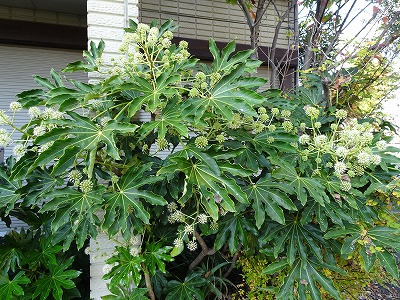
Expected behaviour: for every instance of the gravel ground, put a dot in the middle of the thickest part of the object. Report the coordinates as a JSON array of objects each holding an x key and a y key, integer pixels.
[{"x": 377, "y": 292}]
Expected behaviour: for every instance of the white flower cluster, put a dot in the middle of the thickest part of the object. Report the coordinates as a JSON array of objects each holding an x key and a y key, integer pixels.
[
  {"x": 19, "y": 150},
  {"x": 34, "y": 112},
  {"x": 75, "y": 177},
  {"x": 51, "y": 114},
  {"x": 312, "y": 112},
  {"x": 148, "y": 47},
  {"x": 5, "y": 138},
  {"x": 15, "y": 106},
  {"x": 176, "y": 216},
  {"x": 4, "y": 118},
  {"x": 350, "y": 146}
]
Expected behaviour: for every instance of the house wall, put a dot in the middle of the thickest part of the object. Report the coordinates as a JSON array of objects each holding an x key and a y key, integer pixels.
[
  {"x": 21, "y": 14},
  {"x": 106, "y": 20},
  {"x": 224, "y": 22},
  {"x": 206, "y": 18}
]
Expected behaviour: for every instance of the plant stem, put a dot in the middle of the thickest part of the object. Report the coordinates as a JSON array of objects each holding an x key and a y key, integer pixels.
[
  {"x": 148, "y": 283},
  {"x": 234, "y": 259},
  {"x": 204, "y": 252}
]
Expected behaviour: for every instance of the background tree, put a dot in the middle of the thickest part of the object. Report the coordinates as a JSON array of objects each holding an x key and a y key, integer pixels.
[{"x": 325, "y": 45}]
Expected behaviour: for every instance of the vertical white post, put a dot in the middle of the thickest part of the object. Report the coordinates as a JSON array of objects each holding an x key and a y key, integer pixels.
[{"x": 106, "y": 20}]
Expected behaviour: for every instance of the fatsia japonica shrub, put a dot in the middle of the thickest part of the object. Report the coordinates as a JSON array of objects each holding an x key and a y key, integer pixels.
[{"x": 190, "y": 167}]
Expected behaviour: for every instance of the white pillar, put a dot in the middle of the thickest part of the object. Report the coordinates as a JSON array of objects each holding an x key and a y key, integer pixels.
[{"x": 106, "y": 20}]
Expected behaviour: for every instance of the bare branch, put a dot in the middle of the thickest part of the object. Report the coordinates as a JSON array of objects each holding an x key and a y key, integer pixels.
[
  {"x": 315, "y": 32},
  {"x": 233, "y": 262},
  {"x": 247, "y": 14},
  {"x": 275, "y": 40}
]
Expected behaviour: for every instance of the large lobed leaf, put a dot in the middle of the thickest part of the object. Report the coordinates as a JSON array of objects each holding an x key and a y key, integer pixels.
[
  {"x": 131, "y": 198},
  {"x": 303, "y": 186},
  {"x": 269, "y": 197}
]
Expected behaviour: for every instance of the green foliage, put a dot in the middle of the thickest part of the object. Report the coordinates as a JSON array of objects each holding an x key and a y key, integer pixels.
[
  {"x": 192, "y": 167},
  {"x": 35, "y": 268}
]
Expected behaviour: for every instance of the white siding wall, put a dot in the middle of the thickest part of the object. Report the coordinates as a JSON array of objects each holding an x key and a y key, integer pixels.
[
  {"x": 106, "y": 20},
  {"x": 18, "y": 64}
]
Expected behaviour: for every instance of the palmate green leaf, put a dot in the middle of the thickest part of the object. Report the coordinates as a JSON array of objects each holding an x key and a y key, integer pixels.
[
  {"x": 40, "y": 183},
  {"x": 252, "y": 160},
  {"x": 223, "y": 60},
  {"x": 65, "y": 98},
  {"x": 189, "y": 289},
  {"x": 306, "y": 273},
  {"x": 130, "y": 198},
  {"x": 68, "y": 203},
  {"x": 9, "y": 195},
  {"x": 91, "y": 56},
  {"x": 82, "y": 133},
  {"x": 234, "y": 229},
  {"x": 10, "y": 289},
  {"x": 127, "y": 268},
  {"x": 12, "y": 249},
  {"x": 31, "y": 97},
  {"x": 151, "y": 93},
  {"x": 169, "y": 118},
  {"x": 358, "y": 209},
  {"x": 386, "y": 237},
  {"x": 225, "y": 99},
  {"x": 155, "y": 257},
  {"x": 77, "y": 232},
  {"x": 336, "y": 213},
  {"x": 216, "y": 189},
  {"x": 58, "y": 280},
  {"x": 295, "y": 239},
  {"x": 302, "y": 185},
  {"x": 45, "y": 254},
  {"x": 11, "y": 257},
  {"x": 269, "y": 197}
]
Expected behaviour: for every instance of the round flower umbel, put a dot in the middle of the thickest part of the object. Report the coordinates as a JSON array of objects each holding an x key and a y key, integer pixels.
[
  {"x": 178, "y": 242},
  {"x": 192, "y": 245},
  {"x": 381, "y": 145},
  {"x": 201, "y": 142},
  {"x": 320, "y": 141},
  {"x": 312, "y": 112},
  {"x": 86, "y": 186},
  {"x": 202, "y": 218},
  {"x": 304, "y": 139},
  {"x": 340, "y": 167},
  {"x": 15, "y": 106}
]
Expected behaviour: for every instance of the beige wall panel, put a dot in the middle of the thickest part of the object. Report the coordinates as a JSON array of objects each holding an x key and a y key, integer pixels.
[{"x": 213, "y": 18}]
